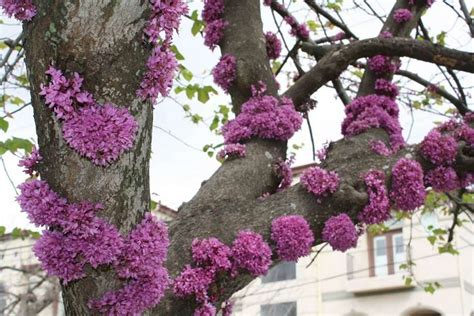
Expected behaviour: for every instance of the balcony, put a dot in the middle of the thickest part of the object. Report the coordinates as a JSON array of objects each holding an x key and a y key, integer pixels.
[{"x": 377, "y": 270}]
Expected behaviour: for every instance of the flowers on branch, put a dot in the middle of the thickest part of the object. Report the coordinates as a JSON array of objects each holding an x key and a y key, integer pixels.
[
  {"x": 215, "y": 25},
  {"x": 320, "y": 182},
  {"x": 339, "y": 231},
  {"x": 408, "y": 191},
  {"x": 231, "y": 151},
  {"x": 251, "y": 253},
  {"x": 225, "y": 71},
  {"x": 273, "y": 45},
  {"x": 265, "y": 117},
  {"x": 439, "y": 149},
  {"x": 381, "y": 65},
  {"x": 23, "y": 10},
  {"x": 293, "y": 237},
  {"x": 30, "y": 162},
  {"x": 373, "y": 111},
  {"x": 387, "y": 88},
  {"x": 402, "y": 16},
  {"x": 378, "y": 208}
]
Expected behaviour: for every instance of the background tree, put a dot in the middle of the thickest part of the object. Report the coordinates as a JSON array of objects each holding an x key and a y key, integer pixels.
[{"x": 103, "y": 41}]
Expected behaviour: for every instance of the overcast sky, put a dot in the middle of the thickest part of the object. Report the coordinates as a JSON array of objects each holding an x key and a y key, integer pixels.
[{"x": 177, "y": 169}]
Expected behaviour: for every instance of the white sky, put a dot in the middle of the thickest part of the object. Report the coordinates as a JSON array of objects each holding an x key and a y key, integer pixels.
[{"x": 177, "y": 170}]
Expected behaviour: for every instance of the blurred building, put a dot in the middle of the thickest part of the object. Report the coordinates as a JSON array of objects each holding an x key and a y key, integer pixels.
[{"x": 368, "y": 280}]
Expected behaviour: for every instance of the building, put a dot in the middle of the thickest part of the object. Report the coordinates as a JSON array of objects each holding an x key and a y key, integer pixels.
[{"x": 371, "y": 279}]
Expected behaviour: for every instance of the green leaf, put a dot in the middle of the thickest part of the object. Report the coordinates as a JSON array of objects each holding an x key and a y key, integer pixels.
[
  {"x": 312, "y": 25},
  {"x": 2, "y": 230},
  {"x": 35, "y": 235},
  {"x": 429, "y": 288},
  {"x": 408, "y": 281},
  {"x": 203, "y": 96},
  {"x": 3, "y": 124},
  {"x": 153, "y": 204},
  {"x": 176, "y": 52},
  {"x": 187, "y": 74},
  {"x": 17, "y": 233},
  {"x": 196, "y": 118},
  {"x": 190, "y": 91},
  {"x": 432, "y": 239},
  {"x": 3, "y": 45}
]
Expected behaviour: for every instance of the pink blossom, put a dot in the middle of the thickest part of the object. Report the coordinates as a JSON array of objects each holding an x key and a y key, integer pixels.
[
  {"x": 378, "y": 208},
  {"x": 23, "y": 10},
  {"x": 214, "y": 32},
  {"x": 135, "y": 297},
  {"x": 439, "y": 149},
  {"x": 386, "y": 34},
  {"x": 225, "y": 71},
  {"x": 443, "y": 179},
  {"x": 299, "y": 30},
  {"x": 211, "y": 253},
  {"x": 213, "y": 10},
  {"x": 273, "y": 45},
  {"x": 382, "y": 65},
  {"x": 320, "y": 182},
  {"x": 293, "y": 237},
  {"x": 206, "y": 309},
  {"x": 402, "y": 15},
  {"x": 161, "y": 68},
  {"x": 193, "y": 281},
  {"x": 250, "y": 252},
  {"x": 227, "y": 310},
  {"x": 387, "y": 88},
  {"x": 339, "y": 231},
  {"x": 64, "y": 95},
  {"x": 373, "y": 111},
  {"x": 380, "y": 148},
  {"x": 101, "y": 133},
  {"x": 340, "y": 36},
  {"x": 30, "y": 162},
  {"x": 43, "y": 206},
  {"x": 231, "y": 151},
  {"x": 264, "y": 117},
  {"x": 165, "y": 17},
  {"x": 58, "y": 258},
  {"x": 408, "y": 191}
]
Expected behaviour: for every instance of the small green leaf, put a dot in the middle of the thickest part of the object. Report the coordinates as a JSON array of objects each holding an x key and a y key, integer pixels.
[
  {"x": 153, "y": 205},
  {"x": 187, "y": 74},
  {"x": 2, "y": 230},
  {"x": 408, "y": 281},
  {"x": 203, "y": 96},
  {"x": 3, "y": 124}
]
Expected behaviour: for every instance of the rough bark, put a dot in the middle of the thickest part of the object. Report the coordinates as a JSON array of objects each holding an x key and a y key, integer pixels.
[{"x": 102, "y": 40}]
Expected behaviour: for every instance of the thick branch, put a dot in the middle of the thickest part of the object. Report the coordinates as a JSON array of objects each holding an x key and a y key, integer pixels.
[{"x": 334, "y": 63}]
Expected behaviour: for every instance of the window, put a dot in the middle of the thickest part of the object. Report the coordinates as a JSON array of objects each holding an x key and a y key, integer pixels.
[
  {"x": 281, "y": 272},
  {"x": 281, "y": 309},
  {"x": 386, "y": 253}
]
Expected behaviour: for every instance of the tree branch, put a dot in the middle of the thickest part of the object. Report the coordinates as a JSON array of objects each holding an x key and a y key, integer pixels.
[{"x": 334, "y": 63}]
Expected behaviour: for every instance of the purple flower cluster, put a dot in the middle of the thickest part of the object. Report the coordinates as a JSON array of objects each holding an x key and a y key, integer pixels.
[
  {"x": 379, "y": 147},
  {"x": 83, "y": 237},
  {"x": 212, "y": 16},
  {"x": 158, "y": 79},
  {"x": 340, "y": 36},
  {"x": 211, "y": 253},
  {"x": 293, "y": 237},
  {"x": 30, "y": 162},
  {"x": 231, "y": 151},
  {"x": 205, "y": 309},
  {"x": 443, "y": 179},
  {"x": 165, "y": 18},
  {"x": 264, "y": 117},
  {"x": 319, "y": 182},
  {"x": 225, "y": 71},
  {"x": 408, "y": 191},
  {"x": 339, "y": 231},
  {"x": 381, "y": 64},
  {"x": 23, "y": 10},
  {"x": 250, "y": 252},
  {"x": 193, "y": 281},
  {"x": 439, "y": 149},
  {"x": 298, "y": 30},
  {"x": 64, "y": 95},
  {"x": 141, "y": 263},
  {"x": 161, "y": 65},
  {"x": 387, "y": 88},
  {"x": 284, "y": 172},
  {"x": 101, "y": 133},
  {"x": 273, "y": 45},
  {"x": 373, "y": 111},
  {"x": 378, "y": 208},
  {"x": 402, "y": 16}
]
